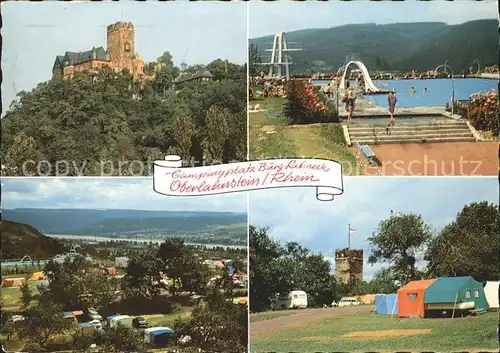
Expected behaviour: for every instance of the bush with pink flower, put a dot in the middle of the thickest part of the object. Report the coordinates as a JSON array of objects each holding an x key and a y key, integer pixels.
[
  {"x": 304, "y": 106},
  {"x": 482, "y": 112}
]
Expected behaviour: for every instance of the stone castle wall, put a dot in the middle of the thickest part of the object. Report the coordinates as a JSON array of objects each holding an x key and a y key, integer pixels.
[{"x": 348, "y": 265}]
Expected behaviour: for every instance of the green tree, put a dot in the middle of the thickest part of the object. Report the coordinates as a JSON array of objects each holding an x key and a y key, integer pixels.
[
  {"x": 165, "y": 73},
  {"x": 77, "y": 283},
  {"x": 23, "y": 157},
  {"x": 216, "y": 135},
  {"x": 116, "y": 339},
  {"x": 254, "y": 60},
  {"x": 216, "y": 324},
  {"x": 469, "y": 246},
  {"x": 178, "y": 262},
  {"x": 142, "y": 275},
  {"x": 42, "y": 321},
  {"x": 184, "y": 130},
  {"x": 26, "y": 295},
  {"x": 397, "y": 241}
]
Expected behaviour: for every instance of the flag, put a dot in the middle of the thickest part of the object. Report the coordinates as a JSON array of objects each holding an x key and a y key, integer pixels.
[{"x": 351, "y": 230}]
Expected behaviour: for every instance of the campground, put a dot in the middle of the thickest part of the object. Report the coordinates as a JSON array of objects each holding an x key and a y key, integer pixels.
[{"x": 360, "y": 329}]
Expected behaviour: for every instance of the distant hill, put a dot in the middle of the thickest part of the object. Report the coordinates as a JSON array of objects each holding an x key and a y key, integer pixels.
[
  {"x": 194, "y": 226},
  {"x": 20, "y": 239},
  {"x": 403, "y": 46}
]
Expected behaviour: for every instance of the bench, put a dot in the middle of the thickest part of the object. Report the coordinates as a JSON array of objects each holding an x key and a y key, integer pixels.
[
  {"x": 367, "y": 152},
  {"x": 478, "y": 312}
]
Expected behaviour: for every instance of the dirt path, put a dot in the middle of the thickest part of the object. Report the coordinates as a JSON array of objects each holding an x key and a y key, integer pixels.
[{"x": 302, "y": 318}]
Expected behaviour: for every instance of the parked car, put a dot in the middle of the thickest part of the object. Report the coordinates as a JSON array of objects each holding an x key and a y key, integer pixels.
[
  {"x": 347, "y": 301},
  {"x": 93, "y": 314},
  {"x": 96, "y": 323},
  {"x": 139, "y": 322}
]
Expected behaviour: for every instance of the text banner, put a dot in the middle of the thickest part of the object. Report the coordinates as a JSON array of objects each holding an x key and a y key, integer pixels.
[{"x": 322, "y": 174}]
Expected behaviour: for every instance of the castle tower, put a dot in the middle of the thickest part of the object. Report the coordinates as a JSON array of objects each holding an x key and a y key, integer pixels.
[
  {"x": 348, "y": 265},
  {"x": 121, "y": 45}
]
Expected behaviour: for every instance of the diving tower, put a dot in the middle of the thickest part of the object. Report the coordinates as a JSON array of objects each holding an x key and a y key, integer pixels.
[{"x": 279, "y": 56}]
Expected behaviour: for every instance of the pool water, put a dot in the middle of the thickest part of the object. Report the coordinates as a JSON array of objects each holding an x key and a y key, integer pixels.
[
  {"x": 21, "y": 263},
  {"x": 439, "y": 91}
]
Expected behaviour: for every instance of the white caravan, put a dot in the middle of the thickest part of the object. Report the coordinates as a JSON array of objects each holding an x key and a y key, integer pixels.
[{"x": 296, "y": 299}]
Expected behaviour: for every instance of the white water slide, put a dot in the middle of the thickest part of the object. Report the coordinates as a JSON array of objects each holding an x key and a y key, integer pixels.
[{"x": 369, "y": 86}]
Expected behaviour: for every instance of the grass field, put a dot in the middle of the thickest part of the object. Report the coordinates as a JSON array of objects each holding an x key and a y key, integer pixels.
[
  {"x": 11, "y": 296},
  {"x": 269, "y": 315},
  {"x": 363, "y": 332},
  {"x": 273, "y": 138}
]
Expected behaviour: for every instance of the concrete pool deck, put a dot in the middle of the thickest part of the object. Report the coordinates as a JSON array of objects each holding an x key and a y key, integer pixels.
[{"x": 436, "y": 159}]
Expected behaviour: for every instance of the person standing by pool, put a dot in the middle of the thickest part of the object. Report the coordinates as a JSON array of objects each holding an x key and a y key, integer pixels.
[
  {"x": 350, "y": 102},
  {"x": 392, "y": 100}
]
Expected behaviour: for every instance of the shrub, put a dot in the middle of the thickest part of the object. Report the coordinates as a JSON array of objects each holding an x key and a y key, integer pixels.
[
  {"x": 141, "y": 306},
  {"x": 304, "y": 106},
  {"x": 482, "y": 112}
]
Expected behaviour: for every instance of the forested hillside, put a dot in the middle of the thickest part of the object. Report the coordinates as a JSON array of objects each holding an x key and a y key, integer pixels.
[
  {"x": 96, "y": 121},
  {"x": 19, "y": 239},
  {"x": 400, "y": 46}
]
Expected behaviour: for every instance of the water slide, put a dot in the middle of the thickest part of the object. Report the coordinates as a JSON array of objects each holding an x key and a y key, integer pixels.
[{"x": 369, "y": 86}]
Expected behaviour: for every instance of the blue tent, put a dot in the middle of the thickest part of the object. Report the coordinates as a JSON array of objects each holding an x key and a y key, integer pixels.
[
  {"x": 386, "y": 304},
  {"x": 161, "y": 337}
]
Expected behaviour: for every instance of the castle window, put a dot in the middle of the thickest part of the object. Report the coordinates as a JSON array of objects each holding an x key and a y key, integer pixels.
[{"x": 127, "y": 46}]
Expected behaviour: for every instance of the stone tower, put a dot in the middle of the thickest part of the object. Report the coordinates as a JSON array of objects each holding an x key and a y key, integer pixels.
[
  {"x": 121, "y": 45},
  {"x": 348, "y": 265}
]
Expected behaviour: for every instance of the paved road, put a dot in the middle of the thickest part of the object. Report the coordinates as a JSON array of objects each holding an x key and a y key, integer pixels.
[{"x": 302, "y": 318}]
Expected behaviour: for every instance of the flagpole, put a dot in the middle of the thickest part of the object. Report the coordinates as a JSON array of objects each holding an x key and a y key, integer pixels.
[{"x": 349, "y": 236}]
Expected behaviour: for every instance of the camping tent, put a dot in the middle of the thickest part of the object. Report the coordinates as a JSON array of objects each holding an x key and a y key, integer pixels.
[
  {"x": 454, "y": 293},
  {"x": 491, "y": 291},
  {"x": 36, "y": 276},
  {"x": 411, "y": 298},
  {"x": 386, "y": 304},
  {"x": 161, "y": 336},
  {"x": 367, "y": 298},
  {"x": 14, "y": 282}
]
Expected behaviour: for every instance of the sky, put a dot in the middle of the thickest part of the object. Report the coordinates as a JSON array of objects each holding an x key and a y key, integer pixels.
[
  {"x": 108, "y": 193},
  {"x": 35, "y": 32},
  {"x": 295, "y": 215},
  {"x": 268, "y": 18}
]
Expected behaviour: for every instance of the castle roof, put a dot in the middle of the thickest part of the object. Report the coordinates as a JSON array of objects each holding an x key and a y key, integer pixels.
[
  {"x": 74, "y": 58},
  {"x": 198, "y": 74}
]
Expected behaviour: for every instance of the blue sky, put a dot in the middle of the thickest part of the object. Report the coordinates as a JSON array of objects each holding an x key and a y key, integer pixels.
[
  {"x": 267, "y": 18},
  {"x": 295, "y": 214},
  {"x": 108, "y": 193},
  {"x": 35, "y": 32}
]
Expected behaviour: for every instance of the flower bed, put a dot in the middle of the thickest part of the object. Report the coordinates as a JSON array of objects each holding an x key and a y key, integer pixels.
[
  {"x": 305, "y": 106},
  {"x": 482, "y": 112}
]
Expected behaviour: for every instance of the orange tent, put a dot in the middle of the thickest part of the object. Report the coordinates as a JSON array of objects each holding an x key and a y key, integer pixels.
[
  {"x": 111, "y": 271},
  {"x": 411, "y": 298},
  {"x": 14, "y": 282}
]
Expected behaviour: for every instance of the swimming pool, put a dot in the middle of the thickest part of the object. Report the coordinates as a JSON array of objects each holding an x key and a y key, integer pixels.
[
  {"x": 439, "y": 91},
  {"x": 21, "y": 263}
]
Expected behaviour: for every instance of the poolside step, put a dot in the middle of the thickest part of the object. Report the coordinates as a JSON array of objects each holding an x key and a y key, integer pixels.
[
  {"x": 417, "y": 140},
  {"x": 454, "y": 131},
  {"x": 400, "y": 133}
]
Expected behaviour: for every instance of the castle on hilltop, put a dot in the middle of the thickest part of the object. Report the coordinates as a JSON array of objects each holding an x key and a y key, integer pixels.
[{"x": 118, "y": 56}]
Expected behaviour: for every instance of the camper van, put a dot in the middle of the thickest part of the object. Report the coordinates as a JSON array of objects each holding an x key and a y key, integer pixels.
[
  {"x": 296, "y": 299},
  {"x": 121, "y": 320}
]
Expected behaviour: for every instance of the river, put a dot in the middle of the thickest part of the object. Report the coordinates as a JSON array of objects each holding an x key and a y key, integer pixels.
[{"x": 90, "y": 238}]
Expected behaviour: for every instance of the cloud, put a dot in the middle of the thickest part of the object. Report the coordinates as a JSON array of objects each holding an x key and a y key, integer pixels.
[{"x": 110, "y": 193}]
